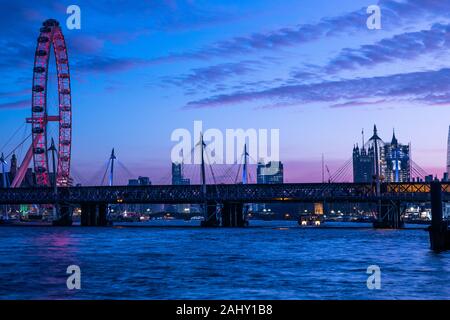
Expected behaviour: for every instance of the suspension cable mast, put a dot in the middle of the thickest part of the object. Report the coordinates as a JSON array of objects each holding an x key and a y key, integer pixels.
[{"x": 111, "y": 172}]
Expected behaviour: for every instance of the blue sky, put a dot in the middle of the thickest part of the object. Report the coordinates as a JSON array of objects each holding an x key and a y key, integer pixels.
[{"x": 141, "y": 69}]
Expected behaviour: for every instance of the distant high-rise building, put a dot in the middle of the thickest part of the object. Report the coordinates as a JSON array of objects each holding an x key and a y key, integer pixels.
[
  {"x": 391, "y": 161},
  {"x": 269, "y": 173},
  {"x": 144, "y": 181},
  {"x": 448, "y": 152},
  {"x": 363, "y": 164},
  {"x": 364, "y": 160},
  {"x": 13, "y": 168},
  {"x": 177, "y": 180},
  {"x": 177, "y": 175},
  {"x": 133, "y": 182},
  {"x": 141, "y": 208},
  {"x": 141, "y": 181},
  {"x": 396, "y": 161}
]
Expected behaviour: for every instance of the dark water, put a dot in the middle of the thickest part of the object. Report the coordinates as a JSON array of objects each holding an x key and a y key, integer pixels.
[{"x": 265, "y": 262}]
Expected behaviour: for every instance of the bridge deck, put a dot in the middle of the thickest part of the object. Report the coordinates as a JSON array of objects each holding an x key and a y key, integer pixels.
[{"x": 250, "y": 193}]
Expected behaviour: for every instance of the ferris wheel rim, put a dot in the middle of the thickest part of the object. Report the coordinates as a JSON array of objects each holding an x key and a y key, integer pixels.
[{"x": 51, "y": 36}]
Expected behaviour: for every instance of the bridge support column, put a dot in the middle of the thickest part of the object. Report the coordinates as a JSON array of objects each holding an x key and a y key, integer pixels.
[
  {"x": 64, "y": 216},
  {"x": 211, "y": 219},
  {"x": 389, "y": 215},
  {"x": 93, "y": 214},
  {"x": 439, "y": 233},
  {"x": 102, "y": 215},
  {"x": 233, "y": 214}
]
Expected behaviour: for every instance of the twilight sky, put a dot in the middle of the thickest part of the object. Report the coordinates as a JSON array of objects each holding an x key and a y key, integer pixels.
[{"x": 141, "y": 69}]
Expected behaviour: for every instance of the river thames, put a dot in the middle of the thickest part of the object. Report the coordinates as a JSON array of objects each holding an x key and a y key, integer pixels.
[{"x": 269, "y": 260}]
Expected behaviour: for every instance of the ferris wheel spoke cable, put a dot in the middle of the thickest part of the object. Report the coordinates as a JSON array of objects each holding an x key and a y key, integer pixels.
[
  {"x": 19, "y": 152},
  {"x": 12, "y": 136},
  {"x": 18, "y": 146}
]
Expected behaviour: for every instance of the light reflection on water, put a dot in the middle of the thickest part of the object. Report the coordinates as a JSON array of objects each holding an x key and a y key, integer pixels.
[{"x": 277, "y": 260}]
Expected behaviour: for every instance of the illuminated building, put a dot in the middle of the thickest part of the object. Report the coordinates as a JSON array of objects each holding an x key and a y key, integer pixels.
[
  {"x": 395, "y": 161},
  {"x": 363, "y": 164},
  {"x": 388, "y": 160},
  {"x": 177, "y": 175},
  {"x": 270, "y": 173}
]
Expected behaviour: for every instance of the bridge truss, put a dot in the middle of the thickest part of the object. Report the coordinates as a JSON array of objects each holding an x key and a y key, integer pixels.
[{"x": 250, "y": 193}]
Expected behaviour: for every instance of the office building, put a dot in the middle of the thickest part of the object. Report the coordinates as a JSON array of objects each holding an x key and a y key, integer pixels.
[
  {"x": 390, "y": 161},
  {"x": 269, "y": 173}
]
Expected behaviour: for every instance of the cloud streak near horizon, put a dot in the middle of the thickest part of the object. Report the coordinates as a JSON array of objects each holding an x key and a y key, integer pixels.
[
  {"x": 427, "y": 87},
  {"x": 393, "y": 14}
]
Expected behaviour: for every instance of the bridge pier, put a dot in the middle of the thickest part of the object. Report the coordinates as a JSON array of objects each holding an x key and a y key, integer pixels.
[
  {"x": 389, "y": 215},
  {"x": 227, "y": 214},
  {"x": 94, "y": 214},
  {"x": 211, "y": 219},
  {"x": 439, "y": 232},
  {"x": 233, "y": 214},
  {"x": 64, "y": 216}
]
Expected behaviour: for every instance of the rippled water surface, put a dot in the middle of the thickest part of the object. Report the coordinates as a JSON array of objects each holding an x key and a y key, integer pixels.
[{"x": 270, "y": 260}]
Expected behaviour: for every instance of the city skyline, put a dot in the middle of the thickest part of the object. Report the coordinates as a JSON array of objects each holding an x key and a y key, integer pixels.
[
  {"x": 237, "y": 154},
  {"x": 161, "y": 66}
]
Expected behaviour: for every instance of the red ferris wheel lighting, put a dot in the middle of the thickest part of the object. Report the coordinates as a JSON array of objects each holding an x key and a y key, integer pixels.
[{"x": 50, "y": 36}]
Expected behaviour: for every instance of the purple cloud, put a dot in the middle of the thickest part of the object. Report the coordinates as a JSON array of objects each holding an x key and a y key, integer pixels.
[
  {"x": 212, "y": 74},
  {"x": 424, "y": 87},
  {"x": 17, "y": 93},
  {"x": 276, "y": 39},
  {"x": 85, "y": 44},
  {"x": 358, "y": 103},
  {"x": 15, "y": 55},
  {"x": 167, "y": 15},
  {"x": 405, "y": 46},
  {"x": 22, "y": 104},
  {"x": 105, "y": 64},
  {"x": 394, "y": 14}
]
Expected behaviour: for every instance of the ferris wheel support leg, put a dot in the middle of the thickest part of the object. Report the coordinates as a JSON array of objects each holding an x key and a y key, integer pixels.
[{"x": 23, "y": 168}]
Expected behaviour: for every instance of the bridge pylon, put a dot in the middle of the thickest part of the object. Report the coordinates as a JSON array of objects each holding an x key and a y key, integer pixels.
[
  {"x": 439, "y": 229},
  {"x": 226, "y": 214},
  {"x": 233, "y": 214},
  {"x": 212, "y": 215},
  {"x": 389, "y": 215},
  {"x": 388, "y": 212},
  {"x": 94, "y": 214}
]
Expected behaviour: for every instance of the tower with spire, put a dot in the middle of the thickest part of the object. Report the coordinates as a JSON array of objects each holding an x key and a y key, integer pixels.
[
  {"x": 386, "y": 161},
  {"x": 13, "y": 168},
  {"x": 363, "y": 162},
  {"x": 397, "y": 161}
]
